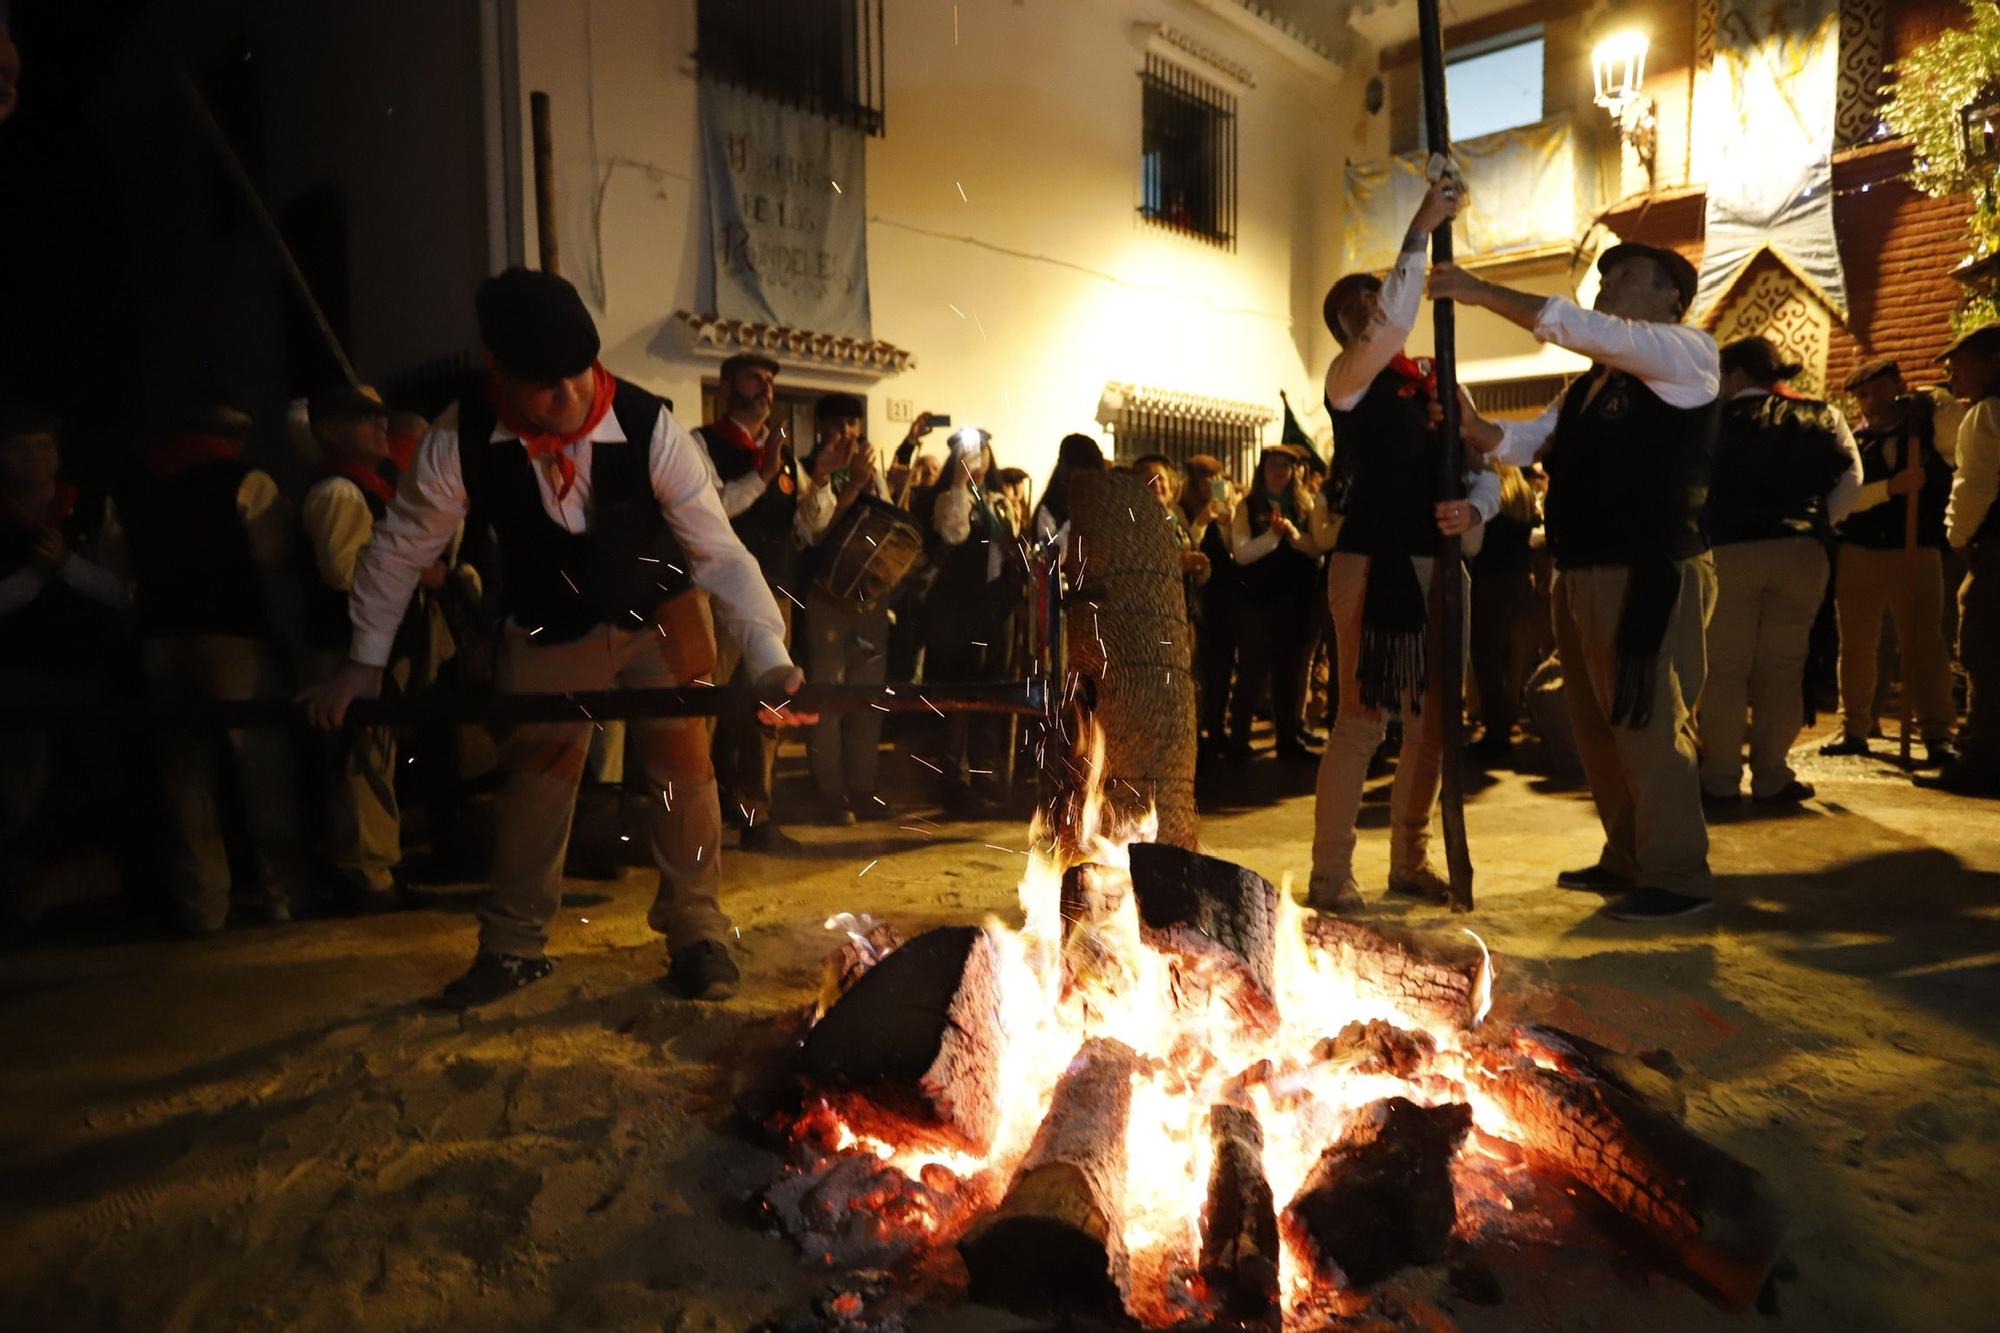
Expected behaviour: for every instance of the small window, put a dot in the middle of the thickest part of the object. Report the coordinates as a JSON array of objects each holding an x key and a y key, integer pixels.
[
  {"x": 822, "y": 56},
  {"x": 1495, "y": 85},
  {"x": 1187, "y": 163}
]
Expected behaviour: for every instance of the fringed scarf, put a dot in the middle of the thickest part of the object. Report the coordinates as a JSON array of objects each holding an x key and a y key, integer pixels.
[
  {"x": 1393, "y": 672},
  {"x": 1651, "y": 591},
  {"x": 551, "y": 446}
]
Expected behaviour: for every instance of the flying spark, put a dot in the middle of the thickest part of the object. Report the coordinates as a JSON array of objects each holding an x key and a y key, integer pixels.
[
  {"x": 961, "y": 194},
  {"x": 927, "y": 763},
  {"x": 870, "y": 866}
]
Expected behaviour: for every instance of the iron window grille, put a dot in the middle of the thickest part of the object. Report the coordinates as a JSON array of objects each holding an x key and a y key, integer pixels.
[
  {"x": 1187, "y": 159},
  {"x": 1181, "y": 425},
  {"x": 821, "y": 56}
]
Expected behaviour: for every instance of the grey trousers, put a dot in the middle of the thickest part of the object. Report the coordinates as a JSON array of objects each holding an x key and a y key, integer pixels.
[{"x": 845, "y": 646}]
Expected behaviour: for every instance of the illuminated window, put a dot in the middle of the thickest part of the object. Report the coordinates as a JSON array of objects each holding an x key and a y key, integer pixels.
[
  {"x": 1495, "y": 85},
  {"x": 1187, "y": 162}
]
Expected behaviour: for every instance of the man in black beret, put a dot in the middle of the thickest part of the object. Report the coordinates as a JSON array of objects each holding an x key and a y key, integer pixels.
[
  {"x": 1628, "y": 450},
  {"x": 1872, "y": 571},
  {"x": 599, "y": 499}
]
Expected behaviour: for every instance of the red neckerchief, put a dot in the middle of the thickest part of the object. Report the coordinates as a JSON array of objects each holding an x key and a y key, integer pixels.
[
  {"x": 365, "y": 475},
  {"x": 556, "y": 447},
  {"x": 177, "y": 453},
  {"x": 732, "y": 430},
  {"x": 1419, "y": 374},
  {"x": 403, "y": 448},
  {"x": 59, "y": 506}
]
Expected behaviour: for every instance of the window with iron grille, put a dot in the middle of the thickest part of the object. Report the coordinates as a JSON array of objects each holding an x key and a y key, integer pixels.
[
  {"x": 1187, "y": 161},
  {"x": 1145, "y": 420},
  {"x": 822, "y": 56}
]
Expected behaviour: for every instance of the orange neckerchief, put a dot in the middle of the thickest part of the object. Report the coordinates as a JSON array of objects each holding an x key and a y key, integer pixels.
[{"x": 556, "y": 447}]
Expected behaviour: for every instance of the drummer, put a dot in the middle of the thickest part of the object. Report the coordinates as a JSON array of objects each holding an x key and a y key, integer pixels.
[{"x": 844, "y": 644}]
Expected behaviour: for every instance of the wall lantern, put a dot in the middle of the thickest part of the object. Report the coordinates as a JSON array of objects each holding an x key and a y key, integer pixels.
[
  {"x": 1979, "y": 128},
  {"x": 1618, "y": 66}
]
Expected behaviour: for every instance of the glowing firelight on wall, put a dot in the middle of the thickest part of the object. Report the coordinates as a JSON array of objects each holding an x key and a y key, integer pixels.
[{"x": 1618, "y": 63}]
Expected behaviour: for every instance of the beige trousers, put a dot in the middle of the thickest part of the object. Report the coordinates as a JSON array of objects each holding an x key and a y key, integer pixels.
[
  {"x": 745, "y": 750},
  {"x": 191, "y": 668},
  {"x": 1357, "y": 733},
  {"x": 1768, "y": 594},
  {"x": 1867, "y": 583},
  {"x": 364, "y": 827},
  {"x": 542, "y": 764},
  {"x": 1644, "y": 779},
  {"x": 845, "y": 647}
]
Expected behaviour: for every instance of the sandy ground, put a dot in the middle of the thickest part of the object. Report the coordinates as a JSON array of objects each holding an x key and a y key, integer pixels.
[{"x": 268, "y": 1131}]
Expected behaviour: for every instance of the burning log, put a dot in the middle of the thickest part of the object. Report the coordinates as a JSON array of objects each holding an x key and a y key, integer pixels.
[
  {"x": 1057, "y": 1240},
  {"x": 1438, "y": 980},
  {"x": 920, "y": 1033},
  {"x": 1219, "y": 901},
  {"x": 1376, "y": 1047},
  {"x": 855, "y": 1211},
  {"x": 867, "y": 944},
  {"x": 1652, "y": 1077},
  {"x": 1381, "y": 1197},
  {"x": 1129, "y": 639},
  {"x": 1239, "y": 1226},
  {"x": 1714, "y": 1214},
  {"x": 1090, "y": 892}
]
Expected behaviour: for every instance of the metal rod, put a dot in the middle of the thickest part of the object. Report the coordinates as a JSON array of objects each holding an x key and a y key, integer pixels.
[{"x": 1447, "y": 668}]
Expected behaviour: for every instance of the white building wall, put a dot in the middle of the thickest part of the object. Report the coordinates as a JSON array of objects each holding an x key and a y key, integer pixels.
[{"x": 1035, "y": 111}]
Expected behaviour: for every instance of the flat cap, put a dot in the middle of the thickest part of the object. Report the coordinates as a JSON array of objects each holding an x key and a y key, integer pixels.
[
  {"x": 1675, "y": 264},
  {"x": 746, "y": 361},
  {"x": 536, "y": 326},
  {"x": 1880, "y": 368}
]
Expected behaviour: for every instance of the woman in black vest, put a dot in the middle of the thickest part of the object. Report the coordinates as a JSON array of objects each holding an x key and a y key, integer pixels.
[
  {"x": 976, "y": 587},
  {"x": 1786, "y": 470},
  {"x": 1277, "y": 576}
]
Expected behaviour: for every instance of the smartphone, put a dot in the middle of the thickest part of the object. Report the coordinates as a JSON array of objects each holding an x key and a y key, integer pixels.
[
  {"x": 1218, "y": 490},
  {"x": 939, "y": 418}
]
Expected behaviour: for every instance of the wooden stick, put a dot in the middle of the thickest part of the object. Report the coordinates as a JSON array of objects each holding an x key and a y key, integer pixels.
[
  {"x": 545, "y": 182},
  {"x": 1911, "y": 464}
]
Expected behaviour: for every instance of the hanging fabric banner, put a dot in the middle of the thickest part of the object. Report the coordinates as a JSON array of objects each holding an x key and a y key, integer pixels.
[
  {"x": 1525, "y": 187},
  {"x": 787, "y": 215},
  {"x": 1765, "y": 131}
]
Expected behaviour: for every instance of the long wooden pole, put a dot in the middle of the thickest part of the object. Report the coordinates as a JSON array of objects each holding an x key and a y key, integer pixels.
[
  {"x": 545, "y": 182},
  {"x": 1448, "y": 576},
  {"x": 1911, "y": 464}
]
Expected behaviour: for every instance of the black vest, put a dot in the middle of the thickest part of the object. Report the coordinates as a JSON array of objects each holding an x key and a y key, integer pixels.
[
  {"x": 1628, "y": 476},
  {"x": 61, "y": 630},
  {"x": 190, "y": 553},
  {"x": 1881, "y": 528},
  {"x": 619, "y": 570},
  {"x": 1287, "y": 573},
  {"x": 765, "y": 528},
  {"x": 328, "y": 626},
  {"x": 1775, "y": 460},
  {"x": 1389, "y": 460}
]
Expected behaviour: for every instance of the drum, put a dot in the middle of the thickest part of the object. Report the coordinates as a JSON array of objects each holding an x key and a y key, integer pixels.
[{"x": 870, "y": 553}]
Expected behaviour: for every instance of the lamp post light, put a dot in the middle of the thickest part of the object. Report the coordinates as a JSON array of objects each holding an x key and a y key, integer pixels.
[
  {"x": 1979, "y": 128},
  {"x": 1618, "y": 67}
]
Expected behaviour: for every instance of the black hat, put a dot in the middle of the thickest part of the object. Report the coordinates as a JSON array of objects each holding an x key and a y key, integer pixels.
[
  {"x": 746, "y": 361},
  {"x": 839, "y": 407},
  {"x": 1758, "y": 357},
  {"x": 1985, "y": 339},
  {"x": 1880, "y": 368},
  {"x": 1672, "y": 262},
  {"x": 343, "y": 402},
  {"x": 536, "y": 326}
]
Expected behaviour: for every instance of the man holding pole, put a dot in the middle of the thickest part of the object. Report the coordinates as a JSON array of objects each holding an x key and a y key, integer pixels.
[
  {"x": 1628, "y": 451},
  {"x": 590, "y": 483}
]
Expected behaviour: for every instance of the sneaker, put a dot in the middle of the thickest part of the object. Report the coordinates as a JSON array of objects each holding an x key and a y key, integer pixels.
[
  {"x": 1593, "y": 879},
  {"x": 834, "y": 810},
  {"x": 1846, "y": 745},
  {"x": 492, "y": 977},
  {"x": 1961, "y": 779},
  {"x": 1721, "y": 807},
  {"x": 868, "y": 809},
  {"x": 703, "y": 971},
  {"x": 1342, "y": 899},
  {"x": 1423, "y": 883},
  {"x": 1656, "y": 905},
  {"x": 1792, "y": 793},
  {"x": 770, "y": 840},
  {"x": 1938, "y": 754}
]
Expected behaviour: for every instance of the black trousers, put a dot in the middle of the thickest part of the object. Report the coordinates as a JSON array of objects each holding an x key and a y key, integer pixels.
[{"x": 1272, "y": 639}]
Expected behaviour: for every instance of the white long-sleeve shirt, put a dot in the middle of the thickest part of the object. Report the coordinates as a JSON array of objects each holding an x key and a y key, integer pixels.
[
  {"x": 1845, "y": 497},
  {"x": 1976, "y": 484},
  {"x": 1676, "y": 361},
  {"x": 1358, "y": 363},
  {"x": 432, "y": 501},
  {"x": 97, "y": 579},
  {"x": 819, "y": 502}
]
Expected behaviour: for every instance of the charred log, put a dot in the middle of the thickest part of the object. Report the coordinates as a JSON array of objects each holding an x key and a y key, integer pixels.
[
  {"x": 1239, "y": 1224},
  {"x": 1717, "y": 1216},
  {"x": 1057, "y": 1240},
  {"x": 856, "y": 955},
  {"x": 920, "y": 1033},
  {"x": 1381, "y": 1197},
  {"x": 1435, "y": 979},
  {"x": 1375, "y": 1047},
  {"x": 1090, "y": 892},
  {"x": 855, "y": 1211},
  {"x": 1646, "y": 1077},
  {"x": 1216, "y": 900}
]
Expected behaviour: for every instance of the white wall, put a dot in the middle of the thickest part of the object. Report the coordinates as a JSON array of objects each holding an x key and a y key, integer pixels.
[{"x": 1035, "y": 112}]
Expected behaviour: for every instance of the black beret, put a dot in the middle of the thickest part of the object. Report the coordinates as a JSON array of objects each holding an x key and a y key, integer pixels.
[
  {"x": 1671, "y": 262},
  {"x": 343, "y": 402},
  {"x": 536, "y": 326},
  {"x": 746, "y": 361},
  {"x": 1881, "y": 368},
  {"x": 839, "y": 407}
]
